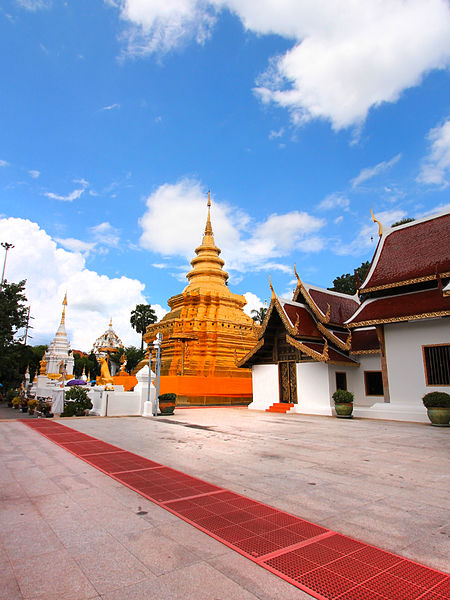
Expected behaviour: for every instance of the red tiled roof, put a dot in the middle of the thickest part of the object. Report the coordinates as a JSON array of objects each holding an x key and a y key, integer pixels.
[
  {"x": 401, "y": 308},
  {"x": 341, "y": 307},
  {"x": 411, "y": 252},
  {"x": 364, "y": 339},
  {"x": 306, "y": 323}
]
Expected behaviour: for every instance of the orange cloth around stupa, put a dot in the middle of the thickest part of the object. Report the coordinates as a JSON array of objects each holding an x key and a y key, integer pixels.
[{"x": 204, "y": 334}]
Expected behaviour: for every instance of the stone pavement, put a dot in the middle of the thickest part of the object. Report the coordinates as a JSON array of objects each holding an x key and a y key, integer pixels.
[{"x": 69, "y": 531}]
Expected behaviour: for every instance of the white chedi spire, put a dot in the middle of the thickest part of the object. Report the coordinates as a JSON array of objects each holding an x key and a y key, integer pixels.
[{"x": 59, "y": 350}]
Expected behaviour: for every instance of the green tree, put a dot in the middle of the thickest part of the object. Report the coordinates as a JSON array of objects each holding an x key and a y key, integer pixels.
[
  {"x": 133, "y": 357},
  {"x": 13, "y": 318},
  {"x": 402, "y": 221},
  {"x": 142, "y": 316},
  {"x": 35, "y": 354},
  {"x": 259, "y": 314},
  {"x": 346, "y": 284}
]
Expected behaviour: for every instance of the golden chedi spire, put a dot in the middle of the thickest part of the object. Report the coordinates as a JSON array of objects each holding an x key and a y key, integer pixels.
[
  {"x": 207, "y": 266},
  {"x": 203, "y": 331}
]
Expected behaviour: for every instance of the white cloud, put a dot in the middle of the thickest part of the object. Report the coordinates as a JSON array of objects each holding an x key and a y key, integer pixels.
[
  {"x": 333, "y": 201},
  {"x": 160, "y": 26},
  {"x": 105, "y": 234},
  {"x": 436, "y": 166},
  {"x": 33, "y": 5},
  {"x": 75, "y": 245},
  {"x": 111, "y": 107},
  {"x": 273, "y": 135},
  {"x": 173, "y": 225},
  {"x": 253, "y": 303},
  {"x": 34, "y": 174},
  {"x": 4, "y": 163},
  {"x": 50, "y": 271},
  {"x": 370, "y": 172},
  {"x": 347, "y": 57}
]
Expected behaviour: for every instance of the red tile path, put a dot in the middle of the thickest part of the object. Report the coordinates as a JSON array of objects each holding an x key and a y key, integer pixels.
[{"x": 325, "y": 564}]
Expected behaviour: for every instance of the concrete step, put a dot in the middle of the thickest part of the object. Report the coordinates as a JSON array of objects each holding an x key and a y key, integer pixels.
[{"x": 279, "y": 407}]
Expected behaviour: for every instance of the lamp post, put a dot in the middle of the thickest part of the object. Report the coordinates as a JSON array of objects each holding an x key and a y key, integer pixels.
[
  {"x": 150, "y": 348},
  {"x": 157, "y": 345},
  {"x": 7, "y": 247}
]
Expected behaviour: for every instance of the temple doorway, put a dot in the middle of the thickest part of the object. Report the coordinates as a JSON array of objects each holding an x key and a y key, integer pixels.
[{"x": 287, "y": 372}]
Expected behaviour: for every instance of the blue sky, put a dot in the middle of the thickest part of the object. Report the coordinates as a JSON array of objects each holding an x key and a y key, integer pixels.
[{"x": 116, "y": 117}]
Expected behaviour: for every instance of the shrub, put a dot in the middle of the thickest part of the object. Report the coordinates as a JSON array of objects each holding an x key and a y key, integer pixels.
[
  {"x": 343, "y": 397},
  {"x": 167, "y": 398},
  {"x": 77, "y": 402},
  {"x": 436, "y": 400},
  {"x": 16, "y": 401}
]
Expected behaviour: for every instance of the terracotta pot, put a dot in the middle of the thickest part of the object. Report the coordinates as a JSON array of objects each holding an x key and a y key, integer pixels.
[
  {"x": 166, "y": 408},
  {"x": 344, "y": 411},
  {"x": 439, "y": 416}
]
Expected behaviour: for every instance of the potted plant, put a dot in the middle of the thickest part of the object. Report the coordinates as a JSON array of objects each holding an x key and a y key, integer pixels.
[
  {"x": 167, "y": 403},
  {"x": 32, "y": 404},
  {"x": 24, "y": 405},
  {"x": 343, "y": 403},
  {"x": 45, "y": 408},
  {"x": 15, "y": 402},
  {"x": 438, "y": 408},
  {"x": 77, "y": 402}
]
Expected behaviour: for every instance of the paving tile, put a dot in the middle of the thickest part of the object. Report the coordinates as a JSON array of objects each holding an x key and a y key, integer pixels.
[
  {"x": 158, "y": 552},
  {"x": 52, "y": 576},
  {"x": 31, "y": 538},
  {"x": 108, "y": 564},
  {"x": 194, "y": 540},
  {"x": 197, "y": 582}
]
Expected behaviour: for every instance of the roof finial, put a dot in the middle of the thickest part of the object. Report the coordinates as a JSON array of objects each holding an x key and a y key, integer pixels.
[
  {"x": 208, "y": 228},
  {"x": 271, "y": 287},
  {"x": 296, "y": 274},
  {"x": 110, "y": 322},
  {"x": 63, "y": 316},
  {"x": 380, "y": 226}
]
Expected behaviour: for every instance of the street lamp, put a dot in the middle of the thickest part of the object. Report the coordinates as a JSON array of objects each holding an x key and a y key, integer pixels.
[
  {"x": 7, "y": 247},
  {"x": 157, "y": 346}
]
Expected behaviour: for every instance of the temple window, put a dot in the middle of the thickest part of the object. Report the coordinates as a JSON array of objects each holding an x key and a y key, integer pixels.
[
  {"x": 373, "y": 381},
  {"x": 341, "y": 380},
  {"x": 437, "y": 364}
]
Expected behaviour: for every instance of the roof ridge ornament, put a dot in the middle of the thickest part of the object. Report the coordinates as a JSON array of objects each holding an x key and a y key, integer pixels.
[
  {"x": 271, "y": 287},
  {"x": 375, "y": 220}
]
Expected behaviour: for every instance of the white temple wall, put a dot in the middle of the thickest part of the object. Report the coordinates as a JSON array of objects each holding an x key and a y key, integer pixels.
[
  {"x": 265, "y": 386},
  {"x": 355, "y": 379},
  {"x": 313, "y": 389},
  {"x": 406, "y": 369}
]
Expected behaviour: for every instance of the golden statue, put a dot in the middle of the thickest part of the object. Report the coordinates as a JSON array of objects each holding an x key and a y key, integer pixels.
[
  {"x": 105, "y": 375},
  {"x": 43, "y": 366}
]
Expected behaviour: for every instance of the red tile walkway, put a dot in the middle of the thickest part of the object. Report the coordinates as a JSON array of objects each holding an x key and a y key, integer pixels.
[{"x": 323, "y": 563}]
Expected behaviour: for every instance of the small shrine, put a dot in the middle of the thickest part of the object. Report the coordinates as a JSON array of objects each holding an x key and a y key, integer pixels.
[
  {"x": 107, "y": 343},
  {"x": 205, "y": 333}
]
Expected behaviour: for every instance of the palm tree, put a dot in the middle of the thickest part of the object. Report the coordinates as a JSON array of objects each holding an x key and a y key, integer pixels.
[
  {"x": 142, "y": 316},
  {"x": 259, "y": 314}
]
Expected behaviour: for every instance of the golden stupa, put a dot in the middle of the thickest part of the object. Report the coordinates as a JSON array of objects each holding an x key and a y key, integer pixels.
[{"x": 204, "y": 334}]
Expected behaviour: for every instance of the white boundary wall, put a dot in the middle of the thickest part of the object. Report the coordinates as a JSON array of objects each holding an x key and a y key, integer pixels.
[{"x": 265, "y": 386}]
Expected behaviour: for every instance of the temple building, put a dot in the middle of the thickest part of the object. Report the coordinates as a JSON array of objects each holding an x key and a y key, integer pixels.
[
  {"x": 389, "y": 344},
  {"x": 204, "y": 333},
  {"x": 59, "y": 355}
]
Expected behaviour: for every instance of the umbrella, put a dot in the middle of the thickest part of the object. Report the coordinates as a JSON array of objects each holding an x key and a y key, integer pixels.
[{"x": 76, "y": 382}]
